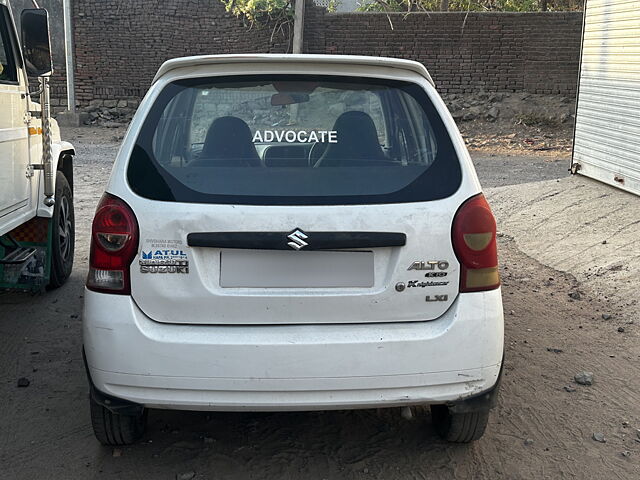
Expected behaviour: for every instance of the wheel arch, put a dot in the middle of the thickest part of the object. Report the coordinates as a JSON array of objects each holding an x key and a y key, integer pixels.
[
  {"x": 65, "y": 165},
  {"x": 62, "y": 153}
]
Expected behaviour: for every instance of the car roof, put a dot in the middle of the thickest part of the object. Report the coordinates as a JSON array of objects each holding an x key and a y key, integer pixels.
[{"x": 300, "y": 58}]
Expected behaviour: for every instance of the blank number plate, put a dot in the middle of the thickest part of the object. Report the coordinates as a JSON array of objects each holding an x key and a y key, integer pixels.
[{"x": 282, "y": 269}]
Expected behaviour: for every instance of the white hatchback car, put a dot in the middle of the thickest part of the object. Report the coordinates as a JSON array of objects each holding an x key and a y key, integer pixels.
[{"x": 292, "y": 232}]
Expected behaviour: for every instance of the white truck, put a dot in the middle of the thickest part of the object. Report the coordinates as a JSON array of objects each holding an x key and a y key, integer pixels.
[{"x": 36, "y": 173}]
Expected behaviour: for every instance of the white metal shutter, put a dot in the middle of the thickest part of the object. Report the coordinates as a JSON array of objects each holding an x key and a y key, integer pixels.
[{"x": 607, "y": 137}]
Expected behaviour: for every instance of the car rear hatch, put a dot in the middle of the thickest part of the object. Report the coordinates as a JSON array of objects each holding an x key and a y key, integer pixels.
[
  {"x": 350, "y": 222},
  {"x": 404, "y": 270}
]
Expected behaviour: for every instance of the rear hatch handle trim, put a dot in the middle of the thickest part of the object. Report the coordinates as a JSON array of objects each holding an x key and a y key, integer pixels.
[{"x": 296, "y": 240}]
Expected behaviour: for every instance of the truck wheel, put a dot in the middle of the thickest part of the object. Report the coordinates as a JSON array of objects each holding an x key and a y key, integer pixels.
[
  {"x": 115, "y": 429},
  {"x": 63, "y": 241},
  {"x": 459, "y": 427}
]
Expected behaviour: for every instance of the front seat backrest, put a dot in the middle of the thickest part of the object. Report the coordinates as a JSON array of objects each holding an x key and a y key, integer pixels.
[
  {"x": 228, "y": 143},
  {"x": 357, "y": 142}
]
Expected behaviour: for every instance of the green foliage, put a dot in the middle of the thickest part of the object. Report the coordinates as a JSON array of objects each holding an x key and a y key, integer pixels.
[
  {"x": 258, "y": 11},
  {"x": 468, "y": 5},
  {"x": 281, "y": 11}
]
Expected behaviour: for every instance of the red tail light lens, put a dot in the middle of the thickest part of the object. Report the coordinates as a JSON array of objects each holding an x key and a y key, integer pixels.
[
  {"x": 114, "y": 245},
  {"x": 474, "y": 241}
]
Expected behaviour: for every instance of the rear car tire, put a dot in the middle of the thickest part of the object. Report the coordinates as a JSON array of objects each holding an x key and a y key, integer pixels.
[
  {"x": 63, "y": 235},
  {"x": 114, "y": 429},
  {"x": 459, "y": 427}
]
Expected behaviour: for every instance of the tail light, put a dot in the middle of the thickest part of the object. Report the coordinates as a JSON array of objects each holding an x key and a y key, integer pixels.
[
  {"x": 114, "y": 245},
  {"x": 474, "y": 241}
]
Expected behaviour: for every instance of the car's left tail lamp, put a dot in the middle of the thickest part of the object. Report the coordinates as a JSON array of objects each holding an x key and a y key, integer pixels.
[{"x": 114, "y": 245}]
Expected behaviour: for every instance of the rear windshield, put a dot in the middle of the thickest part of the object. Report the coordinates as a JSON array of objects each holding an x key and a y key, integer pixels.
[{"x": 293, "y": 140}]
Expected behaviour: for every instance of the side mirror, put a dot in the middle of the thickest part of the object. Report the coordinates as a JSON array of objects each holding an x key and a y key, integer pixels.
[{"x": 35, "y": 42}]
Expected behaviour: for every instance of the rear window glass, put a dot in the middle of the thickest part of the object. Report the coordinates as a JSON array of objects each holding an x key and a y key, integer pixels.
[{"x": 293, "y": 140}]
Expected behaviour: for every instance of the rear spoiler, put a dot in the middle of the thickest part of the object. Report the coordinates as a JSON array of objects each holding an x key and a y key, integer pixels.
[{"x": 200, "y": 60}]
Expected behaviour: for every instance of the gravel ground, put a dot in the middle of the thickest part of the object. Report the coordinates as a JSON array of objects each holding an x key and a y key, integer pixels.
[
  {"x": 498, "y": 170},
  {"x": 545, "y": 426}
]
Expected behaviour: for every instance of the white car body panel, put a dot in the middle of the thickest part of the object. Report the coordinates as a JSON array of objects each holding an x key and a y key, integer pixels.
[
  {"x": 294, "y": 367},
  {"x": 186, "y": 342}
]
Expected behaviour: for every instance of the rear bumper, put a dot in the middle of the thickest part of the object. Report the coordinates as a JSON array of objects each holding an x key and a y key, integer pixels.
[{"x": 293, "y": 367}]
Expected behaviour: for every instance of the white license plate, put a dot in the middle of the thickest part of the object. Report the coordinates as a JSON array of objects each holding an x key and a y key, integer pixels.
[{"x": 282, "y": 269}]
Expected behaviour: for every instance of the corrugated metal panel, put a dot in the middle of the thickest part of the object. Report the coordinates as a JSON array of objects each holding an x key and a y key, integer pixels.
[{"x": 607, "y": 137}]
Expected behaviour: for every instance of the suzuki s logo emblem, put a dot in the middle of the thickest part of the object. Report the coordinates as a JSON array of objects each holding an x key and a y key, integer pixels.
[{"x": 297, "y": 238}]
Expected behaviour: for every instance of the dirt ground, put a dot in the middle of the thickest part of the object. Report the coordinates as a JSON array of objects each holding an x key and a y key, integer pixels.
[{"x": 539, "y": 429}]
